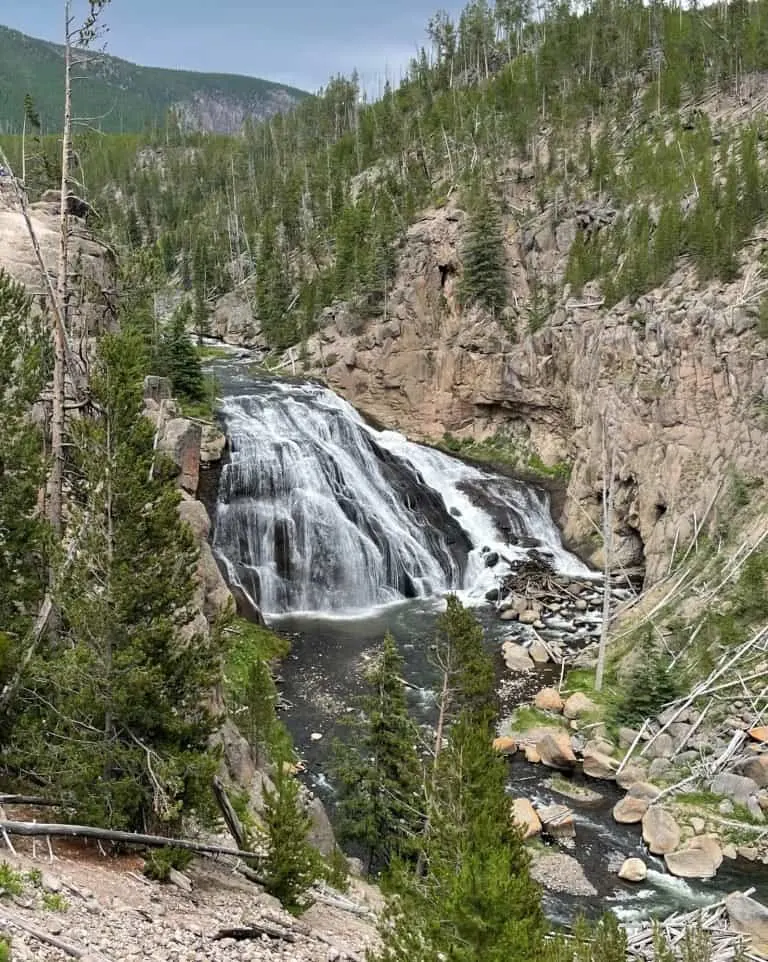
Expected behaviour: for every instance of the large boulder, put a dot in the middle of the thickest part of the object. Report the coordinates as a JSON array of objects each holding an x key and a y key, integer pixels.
[
  {"x": 516, "y": 658},
  {"x": 212, "y": 445},
  {"x": 749, "y": 917},
  {"x": 557, "y": 821},
  {"x": 701, "y": 857},
  {"x": 631, "y": 809},
  {"x": 633, "y": 870},
  {"x": 505, "y": 745},
  {"x": 548, "y": 699},
  {"x": 555, "y": 750},
  {"x": 661, "y": 833},
  {"x": 180, "y": 439},
  {"x": 524, "y": 815},
  {"x": 598, "y": 765},
  {"x": 578, "y": 705},
  {"x": 661, "y": 747},
  {"x": 736, "y": 787}
]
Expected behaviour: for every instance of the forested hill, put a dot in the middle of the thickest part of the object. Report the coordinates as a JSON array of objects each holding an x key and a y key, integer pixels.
[{"x": 124, "y": 97}]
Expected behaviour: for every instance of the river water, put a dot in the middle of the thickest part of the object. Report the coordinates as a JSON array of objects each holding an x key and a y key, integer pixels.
[{"x": 340, "y": 532}]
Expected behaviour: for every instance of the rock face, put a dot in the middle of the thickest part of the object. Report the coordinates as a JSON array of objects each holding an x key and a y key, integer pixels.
[
  {"x": 180, "y": 439},
  {"x": 93, "y": 296},
  {"x": 233, "y": 321},
  {"x": 676, "y": 369}
]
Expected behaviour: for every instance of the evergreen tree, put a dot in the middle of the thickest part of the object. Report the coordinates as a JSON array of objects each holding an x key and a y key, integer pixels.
[
  {"x": 291, "y": 865},
  {"x": 473, "y": 900},
  {"x": 178, "y": 359},
  {"x": 485, "y": 280},
  {"x": 380, "y": 803},
  {"x": 24, "y": 367},
  {"x": 466, "y": 666},
  {"x": 113, "y": 717}
]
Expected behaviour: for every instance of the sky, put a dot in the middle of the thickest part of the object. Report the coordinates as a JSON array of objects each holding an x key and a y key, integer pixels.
[{"x": 297, "y": 42}]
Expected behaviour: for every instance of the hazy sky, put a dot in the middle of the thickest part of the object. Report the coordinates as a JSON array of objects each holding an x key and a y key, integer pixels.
[{"x": 298, "y": 42}]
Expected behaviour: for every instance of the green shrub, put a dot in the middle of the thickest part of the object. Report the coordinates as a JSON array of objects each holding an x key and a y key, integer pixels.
[
  {"x": 159, "y": 862},
  {"x": 11, "y": 881},
  {"x": 651, "y": 686}
]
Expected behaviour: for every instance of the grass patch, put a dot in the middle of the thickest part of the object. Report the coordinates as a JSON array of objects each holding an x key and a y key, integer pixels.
[
  {"x": 54, "y": 902},
  {"x": 500, "y": 449},
  {"x": 11, "y": 881},
  {"x": 527, "y": 717},
  {"x": 160, "y": 862},
  {"x": 702, "y": 799},
  {"x": 211, "y": 353}
]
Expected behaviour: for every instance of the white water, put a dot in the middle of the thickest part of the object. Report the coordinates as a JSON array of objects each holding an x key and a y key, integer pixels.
[{"x": 318, "y": 511}]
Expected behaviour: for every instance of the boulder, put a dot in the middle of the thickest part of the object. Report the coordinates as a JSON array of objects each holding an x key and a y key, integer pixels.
[
  {"x": 180, "y": 440},
  {"x": 505, "y": 745},
  {"x": 659, "y": 768},
  {"x": 700, "y": 858},
  {"x": 760, "y": 734},
  {"x": 736, "y": 787},
  {"x": 539, "y": 653},
  {"x": 557, "y": 821},
  {"x": 755, "y": 768},
  {"x": 749, "y": 917},
  {"x": 627, "y": 736},
  {"x": 548, "y": 699},
  {"x": 529, "y": 616},
  {"x": 531, "y": 755},
  {"x": 633, "y": 870},
  {"x": 598, "y": 764},
  {"x": 644, "y": 790},
  {"x": 555, "y": 751},
  {"x": 661, "y": 747},
  {"x": 516, "y": 658},
  {"x": 212, "y": 445},
  {"x": 157, "y": 389},
  {"x": 491, "y": 559},
  {"x": 196, "y": 516},
  {"x": 524, "y": 814},
  {"x": 661, "y": 833},
  {"x": 630, "y": 774},
  {"x": 577, "y": 705},
  {"x": 629, "y": 810},
  {"x": 509, "y": 614}
]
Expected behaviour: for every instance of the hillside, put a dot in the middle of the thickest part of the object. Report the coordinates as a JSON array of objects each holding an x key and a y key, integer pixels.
[{"x": 126, "y": 97}]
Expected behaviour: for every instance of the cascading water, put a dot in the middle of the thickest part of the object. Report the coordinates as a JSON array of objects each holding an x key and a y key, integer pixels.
[{"x": 320, "y": 512}]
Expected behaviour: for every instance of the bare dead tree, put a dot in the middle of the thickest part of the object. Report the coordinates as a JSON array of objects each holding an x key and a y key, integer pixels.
[{"x": 609, "y": 472}]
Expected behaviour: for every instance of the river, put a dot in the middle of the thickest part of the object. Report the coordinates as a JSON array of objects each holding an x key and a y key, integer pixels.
[{"x": 340, "y": 532}]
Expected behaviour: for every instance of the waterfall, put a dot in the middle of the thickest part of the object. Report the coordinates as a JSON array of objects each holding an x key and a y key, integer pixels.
[{"x": 317, "y": 511}]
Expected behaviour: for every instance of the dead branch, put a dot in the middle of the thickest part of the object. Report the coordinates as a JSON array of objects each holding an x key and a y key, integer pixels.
[{"x": 10, "y": 918}]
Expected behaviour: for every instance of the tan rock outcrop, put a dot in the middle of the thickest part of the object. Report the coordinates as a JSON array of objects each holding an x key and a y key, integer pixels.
[{"x": 678, "y": 372}]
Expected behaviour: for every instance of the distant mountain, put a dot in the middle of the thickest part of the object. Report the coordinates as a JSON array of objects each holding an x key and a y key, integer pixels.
[{"x": 119, "y": 96}]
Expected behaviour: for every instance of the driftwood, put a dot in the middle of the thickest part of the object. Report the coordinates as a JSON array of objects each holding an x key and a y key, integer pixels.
[
  {"x": 234, "y": 824},
  {"x": 128, "y": 838},
  {"x": 254, "y": 930},
  {"x": 9, "y": 918}
]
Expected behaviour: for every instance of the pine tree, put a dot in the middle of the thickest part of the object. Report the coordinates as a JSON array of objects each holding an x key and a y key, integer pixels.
[
  {"x": 291, "y": 865},
  {"x": 24, "y": 368},
  {"x": 114, "y": 717},
  {"x": 380, "y": 803},
  {"x": 178, "y": 359},
  {"x": 471, "y": 899},
  {"x": 485, "y": 280},
  {"x": 466, "y": 666}
]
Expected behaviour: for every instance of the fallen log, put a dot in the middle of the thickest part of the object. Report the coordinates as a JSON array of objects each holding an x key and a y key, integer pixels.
[
  {"x": 128, "y": 838},
  {"x": 37, "y": 800},
  {"x": 254, "y": 930},
  {"x": 234, "y": 824},
  {"x": 11, "y": 919}
]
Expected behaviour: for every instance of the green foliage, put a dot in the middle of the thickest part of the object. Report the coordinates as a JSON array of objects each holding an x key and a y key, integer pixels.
[
  {"x": 336, "y": 872},
  {"x": 122, "y": 95},
  {"x": 380, "y": 803},
  {"x": 250, "y": 689},
  {"x": 113, "y": 716},
  {"x": 178, "y": 359},
  {"x": 651, "y": 686},
  {"x": 160, "y": 861},
  {"x": 11, "y": 881},
  {"x": 54, "y": 902},
  {"x": 484, "y": 281},
  {"x": 604, "y": 941},
  {"x": 463, "y": 660},
  {"x": 24, "y": 368},
  {"x": 291, "y": 866},
  {"x": 5, "y": 948}
]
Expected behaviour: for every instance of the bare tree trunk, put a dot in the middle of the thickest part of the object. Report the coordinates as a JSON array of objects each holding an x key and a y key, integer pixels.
[
  {"x": 608, "y": 494},
  {"x": 56, "y": 476}
]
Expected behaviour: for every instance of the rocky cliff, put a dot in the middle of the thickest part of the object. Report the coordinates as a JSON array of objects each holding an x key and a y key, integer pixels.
[{"x": 677, "y": 381}]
